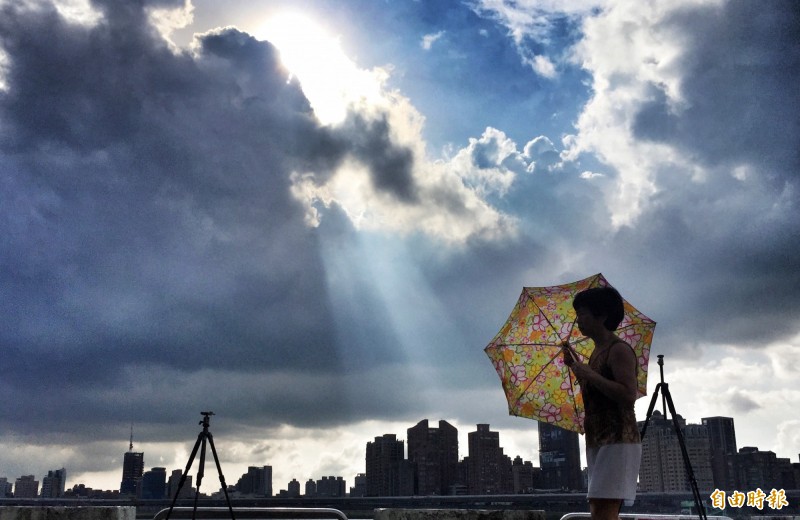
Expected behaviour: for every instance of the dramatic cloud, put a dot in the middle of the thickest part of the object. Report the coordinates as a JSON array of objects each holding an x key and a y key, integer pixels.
[{"x": 318, "y": 249}]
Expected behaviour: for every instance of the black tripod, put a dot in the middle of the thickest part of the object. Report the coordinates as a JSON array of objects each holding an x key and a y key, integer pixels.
[
  {"x": 201, "y": 440},
  {"x": 666, "y": 400}
]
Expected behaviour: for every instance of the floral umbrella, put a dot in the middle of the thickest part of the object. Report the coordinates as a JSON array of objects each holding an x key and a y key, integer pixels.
[{"x": 527, "y": 352}]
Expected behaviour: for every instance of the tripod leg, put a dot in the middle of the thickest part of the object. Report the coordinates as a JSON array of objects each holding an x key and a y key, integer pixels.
[
  {"x": 701, "y": 510},
  {"x": 185, "y": 473},
  {"x": 221, "y": 476},
  {"x": 200, "y": 472},
  {"x": 650, "y": 410}
]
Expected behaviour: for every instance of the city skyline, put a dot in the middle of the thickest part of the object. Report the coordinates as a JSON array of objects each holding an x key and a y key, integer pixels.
[
  {"x": 703, "y": 468},
  {"x": 312, "y": 216}
]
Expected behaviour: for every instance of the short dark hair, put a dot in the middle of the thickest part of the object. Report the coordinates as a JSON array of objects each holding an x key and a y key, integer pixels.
[{"x": 602, "y": 301}]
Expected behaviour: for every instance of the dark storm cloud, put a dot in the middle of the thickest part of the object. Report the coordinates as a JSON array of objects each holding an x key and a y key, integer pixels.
[
  {"x": 739, "y": 77},
  {"x": 730, "y": 237},
  {"x": 148, "y": 231}
]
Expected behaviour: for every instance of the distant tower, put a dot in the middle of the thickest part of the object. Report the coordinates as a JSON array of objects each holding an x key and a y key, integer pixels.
[
  {"x": 132, "y": 470},
  {"x": 559, "y": 457}
]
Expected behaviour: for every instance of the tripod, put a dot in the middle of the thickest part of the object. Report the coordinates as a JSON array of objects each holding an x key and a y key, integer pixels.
[
  {"x": 201, "y": 441},
  {"x": 666, "y": 400}
]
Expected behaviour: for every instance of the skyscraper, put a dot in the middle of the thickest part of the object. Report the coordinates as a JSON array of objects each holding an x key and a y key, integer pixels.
[
  {"x": 132, "y": 470},
  {"x": 388, "y": 473},
  {"x": 559, "y": 457},
  {"x": 486, "y": 463},
  {"x": 433, "y": 452},
  {"x": 722, "y": 442}
]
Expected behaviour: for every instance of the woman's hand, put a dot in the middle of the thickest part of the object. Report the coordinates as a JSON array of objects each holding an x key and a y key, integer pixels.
[{"x": 581, "y": 370}]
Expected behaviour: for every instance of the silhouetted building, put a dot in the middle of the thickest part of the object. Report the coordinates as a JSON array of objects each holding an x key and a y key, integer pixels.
[
  {"x": 6, "y": 488},
  {"x": 257, "y": 481},
  {"x": 311, "y": 488},
  {"x": 663, "y": 468},
  {"x": 154, "y": 484},
  {"x": 523, "y": 475},
  {"x": 388, "y": 473},
  {"x": 433, "y": 452},
  {"x": 757, "y": 469},
  {"x": 132, "y": 471},
  {"x": 722, "y": 443},
  {"x": 786, "y": 474},
  {"x": 293, "y": 489},
  {"x": 26, "y": 487},
  {"x": 486, "y": 466},
  {"x": 175, "y": 480},
  {"x": 360, "y": 487},
  {"x": 53, "y": 485},
  {"x": 331, "y": 487},
  {"x": 559, "y": 458}
]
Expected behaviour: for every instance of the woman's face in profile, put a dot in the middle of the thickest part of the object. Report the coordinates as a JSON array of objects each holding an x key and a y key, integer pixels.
[{"x": 588, "y": 323}]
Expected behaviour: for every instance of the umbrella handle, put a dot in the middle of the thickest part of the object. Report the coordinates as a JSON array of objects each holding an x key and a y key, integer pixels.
[{"x": 570, "y": 356}]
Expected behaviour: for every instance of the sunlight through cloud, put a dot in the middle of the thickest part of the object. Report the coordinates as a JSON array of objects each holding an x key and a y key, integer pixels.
[{"x": 331, "y": 81}]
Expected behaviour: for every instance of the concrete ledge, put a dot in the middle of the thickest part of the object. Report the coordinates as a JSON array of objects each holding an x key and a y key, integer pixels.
[
  {"x": 457, "y": 514},
  {"x": 67, "y": 513}
]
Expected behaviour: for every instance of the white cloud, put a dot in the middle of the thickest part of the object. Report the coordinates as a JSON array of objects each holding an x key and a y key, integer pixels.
[
  {"x": 543, "y": 66},
  {"x": 429, "y": 39},
  {"x": 445, "y": 207}
]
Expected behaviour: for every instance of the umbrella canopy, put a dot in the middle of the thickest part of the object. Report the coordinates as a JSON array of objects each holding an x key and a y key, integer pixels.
[{"x": 527, "y": 352}]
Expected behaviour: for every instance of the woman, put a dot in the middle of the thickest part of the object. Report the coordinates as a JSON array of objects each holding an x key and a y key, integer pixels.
[{"x": 608, "y": 385}]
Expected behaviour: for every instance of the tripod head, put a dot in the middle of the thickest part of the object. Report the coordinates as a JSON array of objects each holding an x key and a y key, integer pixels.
[{"x": 207, "y": 417}]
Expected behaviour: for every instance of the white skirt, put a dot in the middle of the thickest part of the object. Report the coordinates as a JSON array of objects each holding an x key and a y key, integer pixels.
[{"x": 613, "y": 471}]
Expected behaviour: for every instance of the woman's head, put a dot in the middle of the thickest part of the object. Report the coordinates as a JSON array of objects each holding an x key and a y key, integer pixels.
[{"x": 602, "y": 301}]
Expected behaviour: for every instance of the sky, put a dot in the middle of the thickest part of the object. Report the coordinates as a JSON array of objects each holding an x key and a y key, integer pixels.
[{"x": 311, "y": 217}]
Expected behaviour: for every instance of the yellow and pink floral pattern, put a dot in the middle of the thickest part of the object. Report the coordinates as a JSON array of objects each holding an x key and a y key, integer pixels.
[{"x": 527, "y": 352}]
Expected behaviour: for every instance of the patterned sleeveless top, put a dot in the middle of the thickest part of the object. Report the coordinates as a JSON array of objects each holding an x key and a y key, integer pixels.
[{"x": 607, "y": 421}]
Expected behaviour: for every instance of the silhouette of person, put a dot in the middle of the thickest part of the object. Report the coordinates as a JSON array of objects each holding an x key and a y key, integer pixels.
[{"x": 609, "y": 388}]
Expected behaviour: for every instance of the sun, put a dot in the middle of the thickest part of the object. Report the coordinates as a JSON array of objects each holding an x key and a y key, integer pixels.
[{"x": 330, "y": 79}]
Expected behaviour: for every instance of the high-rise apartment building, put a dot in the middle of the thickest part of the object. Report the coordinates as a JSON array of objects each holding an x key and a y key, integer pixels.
[
  {"x": 6, "y": 488},
  {"x": 757, "y": 469},
  {"x": 293, "y": 488},
  {"x": 722, "y": 443},
  {"x": 663, "y": 468},
  {"x": 26, "y": 487},
  {"x": 559, "y": 458},
  {"x": 388, "y": 472},
  {"x": 485, "y": 464},
  {"x": 53, "y": 485},
  {"x": 311, "y": 488},
  {"x": 331, "y": 487},
  {"x": 257, "y": 481},
  {"x": 360, "y": 487},
  {"x": 523, "y": 475},
  {"x": 433, "y": 452}
]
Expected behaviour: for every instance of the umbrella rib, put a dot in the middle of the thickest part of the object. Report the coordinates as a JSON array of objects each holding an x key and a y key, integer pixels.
[{"x": 533, "y": 379}]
